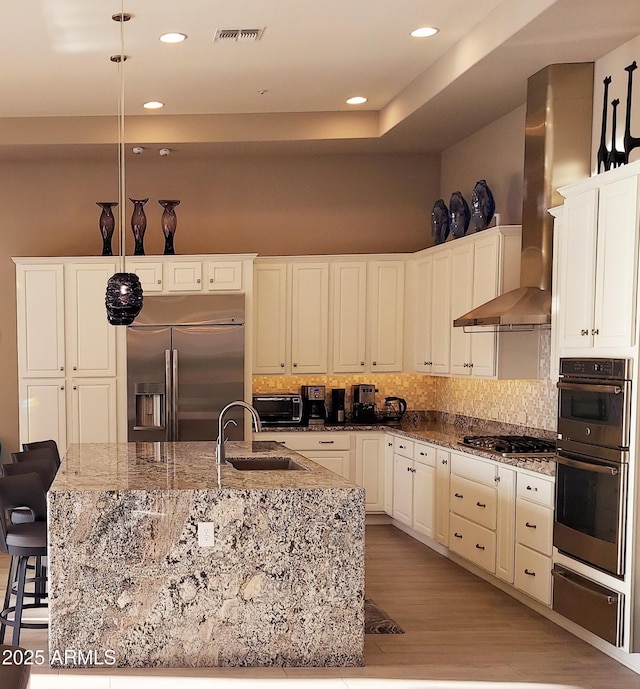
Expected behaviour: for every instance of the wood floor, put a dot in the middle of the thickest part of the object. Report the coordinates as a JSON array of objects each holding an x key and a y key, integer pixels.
[{"x": 460, "y": 631}]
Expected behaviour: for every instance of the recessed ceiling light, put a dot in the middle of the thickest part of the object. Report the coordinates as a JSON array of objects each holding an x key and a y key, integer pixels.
[
  {"x": 153, "y": 105},
  {"x": 173, "y": 37},
  {"x": 356, "y": 100},
  {"x": 424, "y": 32}
]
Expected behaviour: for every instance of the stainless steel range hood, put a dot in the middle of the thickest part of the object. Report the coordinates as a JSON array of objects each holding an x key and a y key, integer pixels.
[{"x": 557, "y": 152}]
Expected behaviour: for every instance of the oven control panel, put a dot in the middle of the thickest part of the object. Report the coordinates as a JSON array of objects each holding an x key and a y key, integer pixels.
[{"x": 596, "y": 368}]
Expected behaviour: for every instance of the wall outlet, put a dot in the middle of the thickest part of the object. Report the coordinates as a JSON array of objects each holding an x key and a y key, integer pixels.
[{"x": 206, "y": 534}]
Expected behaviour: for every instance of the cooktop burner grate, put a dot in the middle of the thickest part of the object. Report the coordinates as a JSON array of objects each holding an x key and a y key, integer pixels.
[{"x": 511, "y": 444}]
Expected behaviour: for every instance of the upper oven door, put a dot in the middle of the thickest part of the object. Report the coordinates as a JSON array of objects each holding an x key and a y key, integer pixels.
[{"x": 594, "y": 411}]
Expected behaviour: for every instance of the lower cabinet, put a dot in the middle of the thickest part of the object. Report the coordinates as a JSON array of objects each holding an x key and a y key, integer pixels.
[
  {"x": 370, "y": 469},
  {"x": 414, "y": 485},
  {"x": 43, "y": 410},
  {"x": 534, "y": 536},
  {"x": 94, "y": 413}
]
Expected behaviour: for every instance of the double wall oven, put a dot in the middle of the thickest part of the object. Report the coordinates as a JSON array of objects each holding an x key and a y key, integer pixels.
[{"x": 594, "y": 415}]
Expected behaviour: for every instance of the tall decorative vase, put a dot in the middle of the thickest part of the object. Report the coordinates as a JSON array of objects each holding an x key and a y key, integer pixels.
[
  {"x": 138, "y": 225},
  {"x": 169, "y": 223},
  {"x": 107, "y": 225}
]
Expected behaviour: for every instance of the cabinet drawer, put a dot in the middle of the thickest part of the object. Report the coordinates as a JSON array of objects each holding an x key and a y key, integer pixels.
[
  {"x": 425, "y": 454},
  {"x": 474, "y": 469},
  {"x": 318, "y": 441},
  {"x": 474, "y": 501},
  {"x": 534, "y": 526},
  {"x": 404, "y": 447},
  {"x": 473, "y": 542},
  {"x": 536, "y": 489},
  {"x": 533, "y": 574}
]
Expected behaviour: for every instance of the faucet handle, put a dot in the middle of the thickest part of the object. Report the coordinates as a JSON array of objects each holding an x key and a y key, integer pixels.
[{"x": 228, "y": 422}]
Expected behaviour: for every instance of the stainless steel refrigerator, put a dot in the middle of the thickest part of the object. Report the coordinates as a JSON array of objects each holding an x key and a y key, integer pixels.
[{"x": 185, "y": 362}]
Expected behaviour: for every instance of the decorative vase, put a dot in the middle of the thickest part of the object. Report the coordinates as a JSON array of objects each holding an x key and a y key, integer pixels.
[
  {"x": 169, "y": 223},
  {"x": 459, "y": 215},
  {"x": 138, "y": 225},
  {"x": 439, "y": 221},
  {"x": 482, "y": 205},
  {"x": 107, "y": 225}
]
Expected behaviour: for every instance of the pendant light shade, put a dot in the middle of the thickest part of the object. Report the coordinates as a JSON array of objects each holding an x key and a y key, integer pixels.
[{"x": 123, "y": 299}]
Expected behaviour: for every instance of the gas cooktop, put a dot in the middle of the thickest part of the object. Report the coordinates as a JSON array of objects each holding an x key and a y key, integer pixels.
[{"x": 511, "y": 445}]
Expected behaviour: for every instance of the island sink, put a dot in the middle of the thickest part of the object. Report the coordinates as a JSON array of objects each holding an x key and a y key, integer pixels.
[{"x": 265, "y": 464}]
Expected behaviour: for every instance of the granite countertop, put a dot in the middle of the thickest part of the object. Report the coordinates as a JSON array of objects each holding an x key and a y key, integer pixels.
[
  {"x": 448, "y": 431},
  {"x": 184, "y": 466}
]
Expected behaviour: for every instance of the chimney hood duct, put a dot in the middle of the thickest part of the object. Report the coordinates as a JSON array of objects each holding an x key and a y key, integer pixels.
[{"x": 557, "y": 152}]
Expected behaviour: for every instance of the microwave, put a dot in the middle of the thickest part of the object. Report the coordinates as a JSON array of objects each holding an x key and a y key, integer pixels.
[{"x": 279, "y": 409}]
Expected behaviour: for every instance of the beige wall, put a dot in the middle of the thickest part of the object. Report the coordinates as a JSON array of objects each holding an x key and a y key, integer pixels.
[
  {"x": 496, "y": 154},
  {"x": 269, "y": 204}
]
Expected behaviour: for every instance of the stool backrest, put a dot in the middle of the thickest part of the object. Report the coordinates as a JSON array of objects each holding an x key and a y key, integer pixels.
[
  {"x": 22, "y": 490},
  {"x": 51, "y": 445},
  {"x": 45, "y": 467}
]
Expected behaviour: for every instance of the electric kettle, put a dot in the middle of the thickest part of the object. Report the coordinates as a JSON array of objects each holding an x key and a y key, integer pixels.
[{"x": 394, "y": 409}]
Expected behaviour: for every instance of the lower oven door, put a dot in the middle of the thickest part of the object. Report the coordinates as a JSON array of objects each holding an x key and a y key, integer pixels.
[{"x": 590, "y": 510}]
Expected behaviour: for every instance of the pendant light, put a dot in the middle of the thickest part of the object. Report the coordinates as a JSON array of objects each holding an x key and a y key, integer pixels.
[{"x": 124, "y": 291}]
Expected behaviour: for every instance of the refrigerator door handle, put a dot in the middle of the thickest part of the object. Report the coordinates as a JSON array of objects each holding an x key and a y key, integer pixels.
[
  {"x": 168, "y": 395},
  {"x": 174, "y": 393}
]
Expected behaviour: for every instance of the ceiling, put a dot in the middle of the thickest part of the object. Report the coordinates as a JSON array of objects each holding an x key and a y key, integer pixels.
[{"x": 286, "y": 91}]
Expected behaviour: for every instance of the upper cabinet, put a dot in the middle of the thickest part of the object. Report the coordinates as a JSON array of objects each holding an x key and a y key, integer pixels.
[
  {"x": 340, "y": 316},
  {"x": 596, "y": 270},
  {"x": 451, "y": 279}
]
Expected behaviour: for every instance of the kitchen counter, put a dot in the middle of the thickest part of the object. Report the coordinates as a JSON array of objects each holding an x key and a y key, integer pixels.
[
  {"x": 447, "y": 431},
  {"x": 133, "y": 583}
]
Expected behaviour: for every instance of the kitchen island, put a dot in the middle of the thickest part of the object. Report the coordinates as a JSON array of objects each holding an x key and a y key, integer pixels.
[{"x": 158, "y": 557}]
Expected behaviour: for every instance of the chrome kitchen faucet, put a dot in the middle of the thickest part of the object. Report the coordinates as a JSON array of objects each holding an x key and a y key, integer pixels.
[{"x": 221, "y": 426}]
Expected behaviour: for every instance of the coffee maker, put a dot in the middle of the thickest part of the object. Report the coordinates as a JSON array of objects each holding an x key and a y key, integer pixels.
[
  {"x": 364, "y": 403},
  {"x": 314, "y": 406},
  {"x": 337, "y": 405}
]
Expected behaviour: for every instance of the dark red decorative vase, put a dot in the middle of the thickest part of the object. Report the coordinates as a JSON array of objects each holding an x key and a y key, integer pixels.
[
  {"x": 138, "y": 225},
  {"x": 169, "y": 223},
  {"x": 107, "y": 225}
]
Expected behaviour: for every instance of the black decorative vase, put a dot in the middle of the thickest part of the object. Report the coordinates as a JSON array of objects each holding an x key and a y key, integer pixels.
[
  {"x": 169, "y": 222},
  {"x": 138, "y": 225},
  {"x": 123, "y": 298},
  {"x": 482, "y": 205},
  {"x": 107, "y": 225}
]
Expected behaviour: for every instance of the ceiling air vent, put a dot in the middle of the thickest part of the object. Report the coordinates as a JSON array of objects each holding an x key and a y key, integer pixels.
[{"x": 227, "y": 35}]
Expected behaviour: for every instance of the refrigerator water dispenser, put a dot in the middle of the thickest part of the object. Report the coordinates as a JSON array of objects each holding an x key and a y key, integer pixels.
[{"x": 149, "y": 406}]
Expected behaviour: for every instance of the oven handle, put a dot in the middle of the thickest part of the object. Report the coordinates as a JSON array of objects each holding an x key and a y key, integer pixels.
[
  {"x": 590, "y": 387},
  {"x": 587, "y": 465}
]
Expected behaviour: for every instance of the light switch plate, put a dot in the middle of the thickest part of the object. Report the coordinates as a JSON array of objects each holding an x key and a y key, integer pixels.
[{"x": 206, "y": 534}]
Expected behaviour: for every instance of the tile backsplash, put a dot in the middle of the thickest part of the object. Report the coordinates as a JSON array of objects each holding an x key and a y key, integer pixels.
[{"x": 522, "y": 402}]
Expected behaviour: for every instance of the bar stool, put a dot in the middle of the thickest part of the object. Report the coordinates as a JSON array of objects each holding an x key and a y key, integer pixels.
[
  {"x": 39, "y": 444},
  {"x": 13, "y": 675},
  {"x": 37, "y": 453},
  {"x": 22, "y": 541}
]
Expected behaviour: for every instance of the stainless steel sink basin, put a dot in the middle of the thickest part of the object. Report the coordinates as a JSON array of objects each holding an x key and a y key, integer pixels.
[{"x": 265, "y": 464}]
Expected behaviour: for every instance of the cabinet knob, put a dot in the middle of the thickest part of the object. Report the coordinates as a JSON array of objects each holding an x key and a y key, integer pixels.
[
  {"x": 159, "y": 282},
  {"x": 282, "y": 365},
  {"x": 528, "y": 573},
  {"x": 62, "y": 368},
  {"x": 295, "y": 365},
  {"x": 595, "y": 331},
  {"x": 429, "y": 363},
  {"x": 535, "y": 490},
  {"x": 471, "y": 365},
  {"x": 584, "y": 331},
  {"x": 75, "y": 368},
  {"x": 530, "y": 526},
  {"x": 389, "y": 444},
  {"x": 479, "y": 547},
  {"x": 444, "y": 461},
  {"x": 481, "y": 504},
  {"x": 198, "y": 281},
  {"x": 374, "y": 363},
  {"x": 458, "y": 495},
  {"x": 465, "y": 365},
  {"x": 408, "y": 468},
  {"x": 362, "y": 363},
  {"x": 62, "y": 387},
  {"x": 457, "y": 535},
  {"x": 75, "y": 387},
  {"x": 211, "y": 280}
]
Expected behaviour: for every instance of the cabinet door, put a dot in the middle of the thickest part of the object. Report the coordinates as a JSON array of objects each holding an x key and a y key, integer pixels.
[
  {"x": 577, "y": 266},
  {"x": 485, "y": 287},
  {"x": 370, "y": 470},
  {"x": 443, "y": 477},
  {"x": 150, "y": 274},
  {"x": 349, "y": 299},
  {"x": 385, "y": 296},
  {"x": 223, "y": 275},
  {"x": 403, "y": 489},
  {"x": 388, "y": 475},
  {"x": 424, "y": 480},
  {"x": 184, "y": 276},
  {"x": 93, "y": 410},
  {"x": 91, "y": 341},
  {"x": 336, "y": 461},
  {"x": 43, "y": 411},
  {"x": 616, "y": 264},
  {"x": 505, "y": 544},
  {"x": 309, "y": 317},
  {"x": 440, "y": 331},
  {"x": 269, "y": 318},
  {"x": 422, "y": 315},
  {"x": 40, "y": 314},
  {"x": 461, "y": 293}
]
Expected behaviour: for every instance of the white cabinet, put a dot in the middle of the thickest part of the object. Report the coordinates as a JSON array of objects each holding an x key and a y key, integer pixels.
[
  {"x": 388, "y": 475},
  {"x": 309, "y": 317},
  {"x": 185, "y": 276},
  {"x": 482, "y": 513},
  {"x": 149, "y": 273},
  {"x": 43, "y": 410},
  {"x": 177, "y": 274},
  {"x": 423, "y": 281},
  {"x": 370, "y": 469},
  {"x": 443, "y": 478},
  {"x": 534, "y": 536},
  {"x": 414, "y": 484},
  {"x": 439, "y": 331},
  {"x": 367, "y": 316},
  {"x": 270, "y": 318},
  {"x": 598, "y": 262},
  {"x": 223, "y": 276},
  {"x": 93, "y": 410},
  {"x": 40, "y": 315}
]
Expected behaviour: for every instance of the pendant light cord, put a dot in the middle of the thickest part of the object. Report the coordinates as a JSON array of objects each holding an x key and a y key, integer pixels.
[{"x": 121, "y": 151}]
